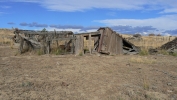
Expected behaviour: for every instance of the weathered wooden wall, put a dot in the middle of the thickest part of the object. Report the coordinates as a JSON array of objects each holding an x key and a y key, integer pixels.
[
  {"x": 105, "y": 40},
  {"x": 110, "y": 42}
]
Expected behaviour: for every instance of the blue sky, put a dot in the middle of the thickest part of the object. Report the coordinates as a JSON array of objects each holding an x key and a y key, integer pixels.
[{"x": 123, "y": 16}]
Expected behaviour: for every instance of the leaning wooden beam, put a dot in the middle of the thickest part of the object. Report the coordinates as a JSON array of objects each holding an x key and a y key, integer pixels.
[{"x": 32, "y": 41}]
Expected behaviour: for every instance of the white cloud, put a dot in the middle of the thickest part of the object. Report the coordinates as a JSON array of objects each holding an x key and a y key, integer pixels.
[
  {"x": 67, "y": 29},
  {"x": 91, "y": 30},
  {"x": 172, "y": 10},
  {"x": 167, "y": 22},
  {"x": 1, "y": 13},
  {"x": 34, "y": 1},
  {"x": 167, "y": 34},
  {"x": 81, "y": 5},
  {"x": 5, "y": 7}
]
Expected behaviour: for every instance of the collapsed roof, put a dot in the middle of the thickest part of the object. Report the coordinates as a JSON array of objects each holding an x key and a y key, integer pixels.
[{"x": 170, "y": 46}]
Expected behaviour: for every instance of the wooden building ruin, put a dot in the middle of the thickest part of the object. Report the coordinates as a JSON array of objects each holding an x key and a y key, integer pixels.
[{"x": 104, "y": 41}]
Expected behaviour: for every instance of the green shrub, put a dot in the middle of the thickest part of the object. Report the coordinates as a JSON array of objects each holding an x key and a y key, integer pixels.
[
  {"x": 164, "y": 52},
  {"x": 40, "y": 52},
  {"x": 80, "y": 54},
  {"x": 173, "y": 54},
  {"x": 26, "y": 84},
  {"x": 57, "y": 51},
  {"x": 144, "y": 52}
]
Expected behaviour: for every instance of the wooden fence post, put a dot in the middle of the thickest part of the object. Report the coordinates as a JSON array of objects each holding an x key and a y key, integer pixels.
[
  {"x": 90, "y": 40},
  {"x": 79, "y": 44}
]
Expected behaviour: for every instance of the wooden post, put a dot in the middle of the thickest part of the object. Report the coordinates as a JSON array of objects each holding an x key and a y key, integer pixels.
[
  {"x": 90, "y": 44},
  {"x": 72, "y": 45},
  {"x": 56, "y": 36},
  {"x": 65, "y": 47},
  {"x": 48, "y": 47},
  {"x": 79, "y": 45},
  {"x": 21, "y": 45}
]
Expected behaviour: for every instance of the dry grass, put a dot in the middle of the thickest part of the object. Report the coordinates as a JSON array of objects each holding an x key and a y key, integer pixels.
[
  {"x": 144, "y": 52},
  {"x": 92, "y": 77},
  {"x": 150, "y": 41},
  {"x": 5, "y": 37},
  {"x": 146, "y": 84},
  {"x": 143, "y": 60}
]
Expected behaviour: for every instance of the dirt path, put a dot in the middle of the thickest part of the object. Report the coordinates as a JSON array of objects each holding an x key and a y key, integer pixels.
[{"x": 91, "y": 77}]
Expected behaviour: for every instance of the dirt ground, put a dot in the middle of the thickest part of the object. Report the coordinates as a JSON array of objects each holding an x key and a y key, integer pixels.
[{"x": 89, "y": 77}]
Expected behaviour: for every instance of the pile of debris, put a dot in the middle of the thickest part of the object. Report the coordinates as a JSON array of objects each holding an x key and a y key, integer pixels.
[{"x": 170, "y": 46}]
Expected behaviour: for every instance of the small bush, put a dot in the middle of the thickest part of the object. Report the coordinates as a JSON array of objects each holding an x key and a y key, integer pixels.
[
  {"x": 173, "y": 54},
  {"x": 164, "y": 52},
  {"x": 144, "y": 52},
  {"x": 152, "y": 34},
  {"x": 57, "y": 51},
  {"x": 86, "y": 50},
  {"x": 80, "y": 54},
  {"x": 146, "y": 83},
  {"x": 40, "y": 52},
  {"x": 158, "y": 35},
  {"x": 137, "y": 35},
  {"x": 26, "y": 84},
  {"x": 6, "y": 42}
]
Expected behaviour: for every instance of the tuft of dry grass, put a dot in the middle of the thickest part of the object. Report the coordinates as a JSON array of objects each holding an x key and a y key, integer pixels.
[
  {"x": 144, "y": 52},
  {"x": 5, "y": 37},
  {"x": 142, "y": 60},
  {"x": 5, "y": 40},
  {"x": 146, "y": 83}
]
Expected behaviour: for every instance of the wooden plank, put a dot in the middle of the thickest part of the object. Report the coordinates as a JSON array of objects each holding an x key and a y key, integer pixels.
[
  {"x": 48, "y": 47},
  {"x": 72, "y": 45},
  {"x": 29, "y": 39},
  {"x": 79, "y": 44},
  {"x": 117, "y": 43},
  {"x": 60, "y": 39},
  {"x": 90, "y": 43},
  {"x": 120, "y": 45},
  {"x": 21, "y": 45},
  {"x": 110, "y": 42}
]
